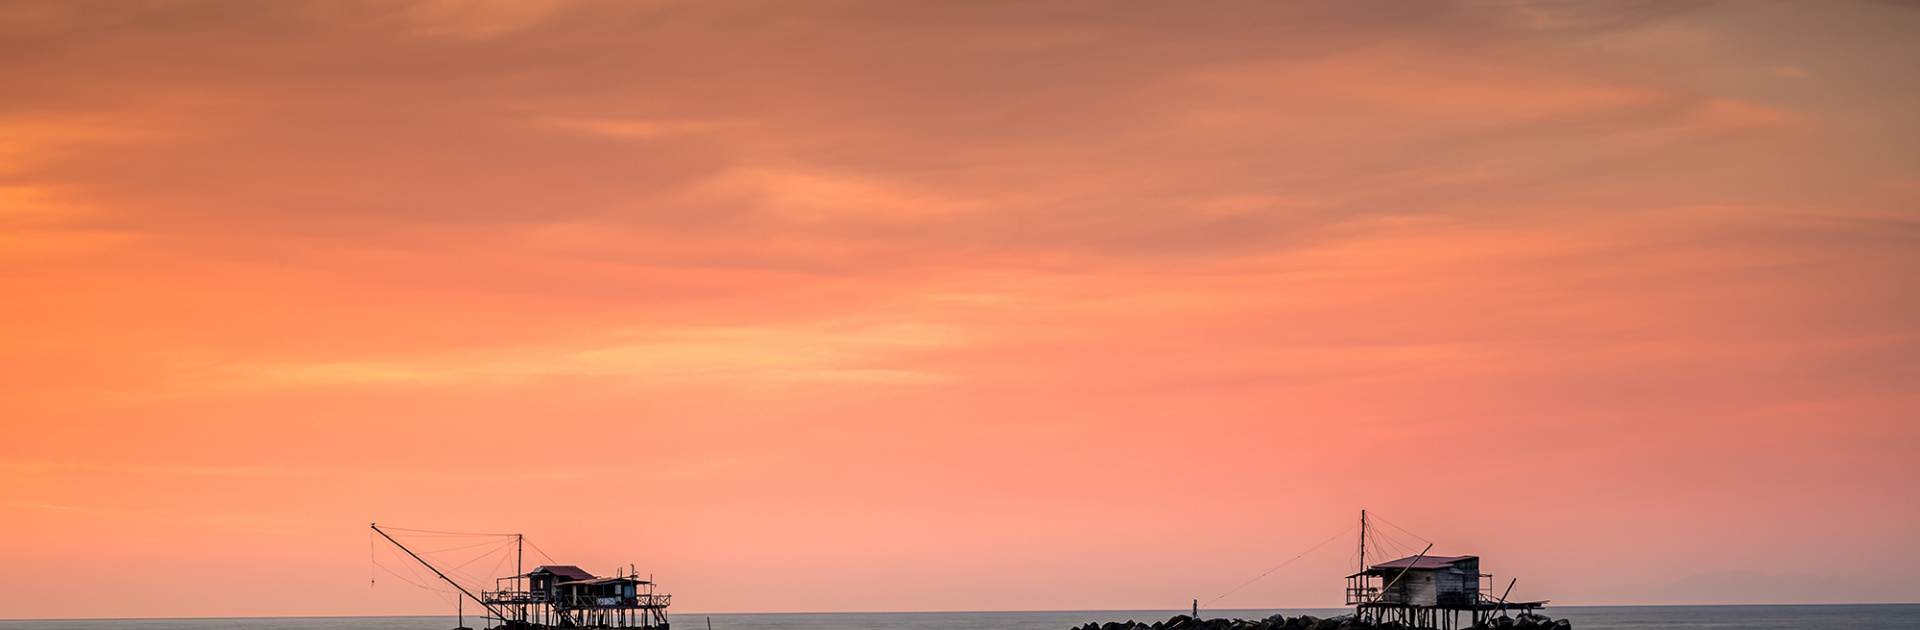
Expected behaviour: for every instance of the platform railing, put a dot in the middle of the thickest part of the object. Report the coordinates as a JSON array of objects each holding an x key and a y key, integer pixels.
[
  {"x": 642, "y": 600},
  {"x": 513, "y": 597},
  {"x": 1362, "y": 595}
]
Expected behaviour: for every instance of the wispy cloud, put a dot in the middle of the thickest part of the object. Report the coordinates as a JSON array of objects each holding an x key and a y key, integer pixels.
[{"x": 835, "y": 284}]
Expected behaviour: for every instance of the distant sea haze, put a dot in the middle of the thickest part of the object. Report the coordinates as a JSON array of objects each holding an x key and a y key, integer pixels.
[
  {"x": 1754, "y": 617},
  {"x": 1752, "y": 587}
]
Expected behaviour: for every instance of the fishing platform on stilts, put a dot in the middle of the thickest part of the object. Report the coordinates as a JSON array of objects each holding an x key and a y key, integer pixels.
[
  {"x": 556, "y": 596},
  {"x": 1423, "y": 591}
]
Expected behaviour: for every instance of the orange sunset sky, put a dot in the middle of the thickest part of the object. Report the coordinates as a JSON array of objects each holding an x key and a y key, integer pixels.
[{"x": 841, "y": 306}]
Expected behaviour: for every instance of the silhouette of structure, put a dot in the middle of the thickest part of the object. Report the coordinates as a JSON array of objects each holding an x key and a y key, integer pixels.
[
  {"x": 561, "y": 596},
  {"x": 1423, "y": 591}
]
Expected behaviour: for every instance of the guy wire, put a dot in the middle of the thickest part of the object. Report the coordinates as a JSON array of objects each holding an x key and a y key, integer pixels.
[{"x": 1303, "y": 554}]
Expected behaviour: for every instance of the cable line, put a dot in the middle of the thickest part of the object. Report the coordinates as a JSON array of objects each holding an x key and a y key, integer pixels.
[
  {"x": 1303, "y": 554},
  {"x": 429, "y": 531},
  {"x": 543, "y": 554},
  {"x": 1403, "y": 529}
]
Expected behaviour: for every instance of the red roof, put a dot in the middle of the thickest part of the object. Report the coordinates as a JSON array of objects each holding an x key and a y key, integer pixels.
[
  {"x": 1425, "y": 562},
  {"x": 567, "y": 571}
]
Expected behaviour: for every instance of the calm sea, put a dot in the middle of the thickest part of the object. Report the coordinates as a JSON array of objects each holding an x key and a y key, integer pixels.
[{"x": 1857, "y": 617}]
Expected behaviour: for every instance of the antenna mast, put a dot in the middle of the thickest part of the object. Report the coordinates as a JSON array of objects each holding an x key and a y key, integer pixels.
[
  {"x": 520, "y": 582},
  {"x": 1363, "y": 540}
]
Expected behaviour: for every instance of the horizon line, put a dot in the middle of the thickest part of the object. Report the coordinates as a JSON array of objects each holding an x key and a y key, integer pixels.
[{"x": 933, "y": 612}]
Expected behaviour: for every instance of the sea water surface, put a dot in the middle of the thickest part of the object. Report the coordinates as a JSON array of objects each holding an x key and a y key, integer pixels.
[{"x": 1781, "y": 617}]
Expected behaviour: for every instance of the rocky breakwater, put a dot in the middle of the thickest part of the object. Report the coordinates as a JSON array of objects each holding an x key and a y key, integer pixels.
[{"x": 1309, "y": 622}]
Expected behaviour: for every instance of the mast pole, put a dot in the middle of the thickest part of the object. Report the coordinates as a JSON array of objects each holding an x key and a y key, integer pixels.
[
  {"x": 1363, "y": 540},
  {"x": 520, "y": 573},
  {"x": 1503, "y": 596},
  {"x": 423, "y": 562}
]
